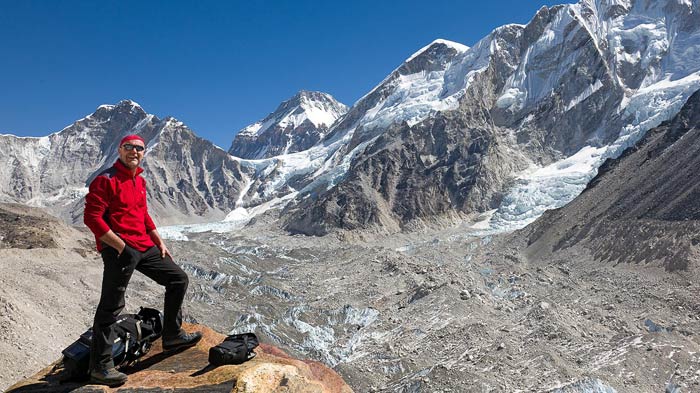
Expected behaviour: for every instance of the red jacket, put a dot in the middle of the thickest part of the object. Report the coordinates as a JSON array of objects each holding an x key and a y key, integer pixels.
[{"x": 117, "y": 201}]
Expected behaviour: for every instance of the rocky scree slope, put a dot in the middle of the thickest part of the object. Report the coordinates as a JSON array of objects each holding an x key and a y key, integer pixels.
[
  {"x": 49, "y": 284},
  {"x": 49, "y": 287}
]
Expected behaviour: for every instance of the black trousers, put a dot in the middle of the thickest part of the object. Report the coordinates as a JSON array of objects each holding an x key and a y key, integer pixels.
[{"x": 114, "y": 282}]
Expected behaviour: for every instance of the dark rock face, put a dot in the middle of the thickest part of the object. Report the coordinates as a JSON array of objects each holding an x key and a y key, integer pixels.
[
  {"x": 296, "y": 125},
  {"x": 410, "y": 173},
  {"x": 641, "y": 207}
]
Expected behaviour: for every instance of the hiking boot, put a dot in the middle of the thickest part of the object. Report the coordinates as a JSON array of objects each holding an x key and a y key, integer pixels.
[
  {"x": 183, "y": 340},
  {"x": 110, "y": 377}
]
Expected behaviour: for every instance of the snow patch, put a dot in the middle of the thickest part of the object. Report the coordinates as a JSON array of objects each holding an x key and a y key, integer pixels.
[
  {"x": 252, "y": 129},
  {"x": 512, "y": 98},
  {"x": 587, "y": 92}
]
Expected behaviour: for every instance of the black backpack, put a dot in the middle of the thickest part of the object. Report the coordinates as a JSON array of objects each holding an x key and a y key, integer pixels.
[
  {"x": 135, "y": 335},
  {"x": 236, "y": 349}
]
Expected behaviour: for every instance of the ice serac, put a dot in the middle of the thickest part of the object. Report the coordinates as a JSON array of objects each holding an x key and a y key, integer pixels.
[
  {"x": 456, "y": 130},
  {"x": 295, "y": 125},
  {"x": 641, "y": 207},
  {"x": 651, "y": 50}
]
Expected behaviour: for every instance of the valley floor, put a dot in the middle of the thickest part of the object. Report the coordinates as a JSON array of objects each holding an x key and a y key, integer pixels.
[
  {"x": 449, "y": 311},
  {"x": 436, "y": 311}
]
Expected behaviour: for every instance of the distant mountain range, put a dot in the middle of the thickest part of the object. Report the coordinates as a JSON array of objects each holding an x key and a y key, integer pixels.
[{"x": 513, "y": 126}]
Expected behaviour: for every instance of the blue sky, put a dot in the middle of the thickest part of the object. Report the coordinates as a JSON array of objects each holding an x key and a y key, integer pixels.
[{"x": 215, "y": 65}]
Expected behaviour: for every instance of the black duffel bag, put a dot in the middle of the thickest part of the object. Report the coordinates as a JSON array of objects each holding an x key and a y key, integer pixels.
[{"x": 236, "y": 349}]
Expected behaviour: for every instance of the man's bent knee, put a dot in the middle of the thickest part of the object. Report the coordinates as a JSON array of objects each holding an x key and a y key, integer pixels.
[{"x": 179, "y": 280}]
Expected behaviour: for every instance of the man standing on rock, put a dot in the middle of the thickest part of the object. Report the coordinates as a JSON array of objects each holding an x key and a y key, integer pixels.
[{"x": 116, "y": 213}]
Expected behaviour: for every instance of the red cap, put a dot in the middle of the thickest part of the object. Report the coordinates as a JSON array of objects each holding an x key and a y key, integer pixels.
[{"x": 131, "y": 138}]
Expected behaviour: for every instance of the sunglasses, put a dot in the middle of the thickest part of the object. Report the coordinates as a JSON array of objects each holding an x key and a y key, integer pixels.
[{"x": 130, "y": 147}]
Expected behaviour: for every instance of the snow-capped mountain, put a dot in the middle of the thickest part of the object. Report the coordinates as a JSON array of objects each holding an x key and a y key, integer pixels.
[
  {"x": 650, "y": 53},
  {"x": 517, "y": 123},
  {"x": 512, "y": 126},
  {"x": 53, "y": 170},
  {"x": 295, "y": 125},
  {"x": 189, "y": 179}
]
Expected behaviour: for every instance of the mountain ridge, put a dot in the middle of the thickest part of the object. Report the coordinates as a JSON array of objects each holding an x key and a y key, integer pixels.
[{"x": 568, "y": 74}]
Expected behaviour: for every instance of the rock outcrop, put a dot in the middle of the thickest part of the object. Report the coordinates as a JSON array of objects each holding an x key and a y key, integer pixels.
[{"x": 271, "y": 370}]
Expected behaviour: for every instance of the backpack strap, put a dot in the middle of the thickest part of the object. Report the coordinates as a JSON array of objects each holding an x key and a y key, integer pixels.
[
  {"x": 138, "y": 330},
  {"x": 126, "y": 343}
]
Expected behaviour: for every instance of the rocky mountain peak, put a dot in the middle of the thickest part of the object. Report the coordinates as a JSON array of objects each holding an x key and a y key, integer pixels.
[
  {"x": 127, "y": 106},
  {"x": 432, "y": 57},
  {"x": 124, "y": 109},
  {"x": 297, "y": 124},
  {"x": 321, "y": 109}
]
